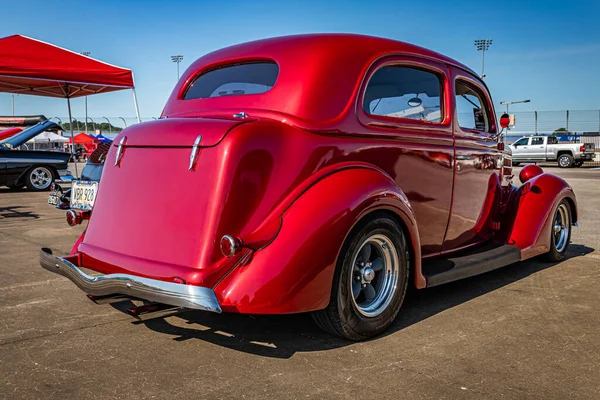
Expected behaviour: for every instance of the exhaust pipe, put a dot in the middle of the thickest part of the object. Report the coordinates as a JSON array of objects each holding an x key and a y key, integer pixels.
[{"x": 154, "y": 310}]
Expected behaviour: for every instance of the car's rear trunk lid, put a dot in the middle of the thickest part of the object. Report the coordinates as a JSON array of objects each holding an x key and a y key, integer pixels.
[
  {"x": 155, "y": 216},
  {"x": 179, "y": 132}
]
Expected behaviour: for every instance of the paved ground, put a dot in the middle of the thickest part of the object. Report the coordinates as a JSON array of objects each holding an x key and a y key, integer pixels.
[{"x": 530, "y": 330}]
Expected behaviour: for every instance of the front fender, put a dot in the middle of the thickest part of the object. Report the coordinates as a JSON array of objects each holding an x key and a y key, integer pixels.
[
  {"x": 294, "y": 273},
  {"x": 535, "y": 204}
]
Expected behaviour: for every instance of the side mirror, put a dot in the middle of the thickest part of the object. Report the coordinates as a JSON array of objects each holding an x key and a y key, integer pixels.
[{"x": 504, "y": 121}]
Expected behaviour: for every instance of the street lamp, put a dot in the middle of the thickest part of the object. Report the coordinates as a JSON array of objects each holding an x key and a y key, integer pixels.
[
  {"x": 483, "y": 45},
  {"x": 87, "y": 54},
  {"x": 107, "y": 120},
  {"x": 177, "y": 59},
  {"x": 13, "y": 104},
  {"x": 93, "y": 123},
  {"x": 507, "y": 103}
]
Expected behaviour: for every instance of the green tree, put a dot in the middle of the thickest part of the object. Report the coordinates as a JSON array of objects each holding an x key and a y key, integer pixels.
[{"x": 561, "y": 131}]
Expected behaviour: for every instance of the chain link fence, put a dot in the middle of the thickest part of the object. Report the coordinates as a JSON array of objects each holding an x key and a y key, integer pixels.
[{"x": 570, "y": 126}]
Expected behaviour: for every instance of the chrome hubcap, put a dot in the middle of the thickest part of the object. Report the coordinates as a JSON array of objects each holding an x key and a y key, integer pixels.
[
  {"x": 40, "y": 178},
  {"x": 562, "y": 225},
  {"x": 564, "y": 161},
  {"x": 374, "y": 275}
]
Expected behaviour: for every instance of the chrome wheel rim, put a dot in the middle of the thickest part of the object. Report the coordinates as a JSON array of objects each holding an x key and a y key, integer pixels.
[
  {"x": 562, "y": 225},
  {"x": 374, "y": 275},
  {"x": 40, "y": 178},
  {"x": 564, "y": 161}
]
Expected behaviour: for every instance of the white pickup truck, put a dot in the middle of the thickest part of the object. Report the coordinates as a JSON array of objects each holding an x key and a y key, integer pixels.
[{"x": 547, "y": 148}]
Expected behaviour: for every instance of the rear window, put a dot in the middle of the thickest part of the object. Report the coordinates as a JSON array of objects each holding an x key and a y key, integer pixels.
[{"x": 234, "y": 80}]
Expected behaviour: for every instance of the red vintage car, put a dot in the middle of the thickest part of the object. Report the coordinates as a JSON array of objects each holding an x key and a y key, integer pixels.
[{"x": 314, "y": 173}]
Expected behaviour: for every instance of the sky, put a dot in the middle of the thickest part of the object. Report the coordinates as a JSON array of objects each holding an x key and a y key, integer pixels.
[{"x": 547, "y": 51}]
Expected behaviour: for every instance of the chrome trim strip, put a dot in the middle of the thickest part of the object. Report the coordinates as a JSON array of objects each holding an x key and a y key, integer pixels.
[
  {"x": 34, "y": 160},
  {"x": 194, "y": 153},
  {"x": 176, "y": 294},
  {"x": 120, "y": 151}
]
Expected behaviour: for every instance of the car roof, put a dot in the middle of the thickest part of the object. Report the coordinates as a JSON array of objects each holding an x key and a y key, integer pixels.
[{"x": 312, "y": 68}]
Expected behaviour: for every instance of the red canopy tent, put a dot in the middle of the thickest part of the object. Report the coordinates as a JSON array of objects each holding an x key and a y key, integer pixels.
[
  {"x": 82, "y": 138},
  {"x": 30, "y": 66}
]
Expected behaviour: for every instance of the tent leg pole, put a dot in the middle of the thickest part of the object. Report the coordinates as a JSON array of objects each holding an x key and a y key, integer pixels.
[
  {"x": 137, "y": 109},
  {"x": 72, "y": 137}
]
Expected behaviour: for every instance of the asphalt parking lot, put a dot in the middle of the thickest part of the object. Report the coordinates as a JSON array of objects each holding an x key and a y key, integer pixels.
[{"x": 531, "y": 330}]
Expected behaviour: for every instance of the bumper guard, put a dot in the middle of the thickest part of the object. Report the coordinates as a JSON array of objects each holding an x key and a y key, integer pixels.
[{"x": 176, "y": 294}]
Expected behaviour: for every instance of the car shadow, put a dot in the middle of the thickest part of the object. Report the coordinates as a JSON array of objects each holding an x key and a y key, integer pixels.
[
  {"x": 17, "y": 212},
  {"x": 281, "y": 336}
]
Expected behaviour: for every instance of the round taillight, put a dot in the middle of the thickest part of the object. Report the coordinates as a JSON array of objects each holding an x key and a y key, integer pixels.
[
  {"x": 230, "y": 246},
  {"x": 530, "y": 172},
  {"x": 73, "y": 218}
]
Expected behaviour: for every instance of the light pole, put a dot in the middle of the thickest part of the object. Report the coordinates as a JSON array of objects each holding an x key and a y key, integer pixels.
[
  {"x": 93, "y": 123},
  {"x": 13, "y": 104},
  {"x": 483, "y": 45},
  {"x": 507, "y": 103},
  {"x": 107, "y": 120},
  {"x": 177, "y": 59},
  {"x": 87, "y": 54}
]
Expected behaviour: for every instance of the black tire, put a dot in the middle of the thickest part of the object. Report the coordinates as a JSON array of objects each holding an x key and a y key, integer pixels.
[
  {"x": 516, "y": 164},
  {"x": 342, "y": 316},
  {"x": 565, "y": 161},
  {"x": 558, "y": 250},
  {"x": 39, "y": 178}
]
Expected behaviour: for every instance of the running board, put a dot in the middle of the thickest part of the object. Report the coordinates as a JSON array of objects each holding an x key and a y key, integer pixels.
[{"x": 479, "y": 261}]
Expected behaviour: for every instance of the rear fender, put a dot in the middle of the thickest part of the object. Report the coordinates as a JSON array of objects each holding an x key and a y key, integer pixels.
[
  {"x": 294, "y": 273},
  {"x": 535, "y": 204}
]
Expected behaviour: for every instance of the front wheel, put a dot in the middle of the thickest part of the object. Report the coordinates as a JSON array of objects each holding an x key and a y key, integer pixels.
[
  {"x": 39, "y": 178},
  {"x": 560, "y": 235},
  {"x": 565, "y": 161},
  {"x": 370, "y": 281}
]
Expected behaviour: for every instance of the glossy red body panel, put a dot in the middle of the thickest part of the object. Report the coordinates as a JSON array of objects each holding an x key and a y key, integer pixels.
[
  {"x": 529, "y": 171},
  {"x": 292, "y": 180},
  {"x": 296, "y": 270},
  {"x": 534, "y": 204}
]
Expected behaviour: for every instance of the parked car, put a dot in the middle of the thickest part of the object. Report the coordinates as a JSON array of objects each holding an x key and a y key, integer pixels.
[
  {"x": 547, "y": 148},
  {"x": 291, "y": 175},
  {"x": 36, "y": 170},
  {"x": 92, "y": 171}
]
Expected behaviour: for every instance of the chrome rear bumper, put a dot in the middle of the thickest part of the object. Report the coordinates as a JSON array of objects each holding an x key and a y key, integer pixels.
[{"x": 176, "y": 294}]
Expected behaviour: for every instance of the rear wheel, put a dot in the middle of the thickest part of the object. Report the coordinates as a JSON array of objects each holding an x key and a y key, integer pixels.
[
  {"x": 39, "y": 178},
  {"x": 565, "y": 161},
  {"x": 560, "y": 236},
  {"x": 370, "y": 281}
]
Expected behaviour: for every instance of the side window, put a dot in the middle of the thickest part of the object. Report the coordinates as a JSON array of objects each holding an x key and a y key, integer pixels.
[
  {"x": 537, "y": 140},
  {"x": 522, "y": 142},
  {"x": 404, "y": 92},
  {"x": 552, "y": 140},
  {"x": 471, "y": 111}
]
